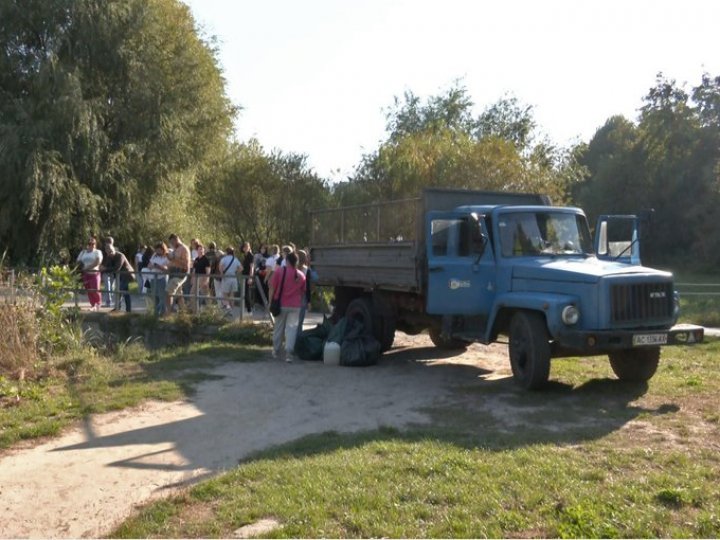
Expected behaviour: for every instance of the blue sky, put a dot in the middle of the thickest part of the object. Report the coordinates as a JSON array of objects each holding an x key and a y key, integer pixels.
[{"x": 314, "y": 76}]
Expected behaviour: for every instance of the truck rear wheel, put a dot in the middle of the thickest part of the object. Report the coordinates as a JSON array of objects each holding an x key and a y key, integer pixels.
[
  {"x": 445, "y": 343},
  {"x": 635, "y": 365},
  {"x": 529, "y": 350},
  {"x": 380, "y": 327},
  {"x": 343, "y": 297}
]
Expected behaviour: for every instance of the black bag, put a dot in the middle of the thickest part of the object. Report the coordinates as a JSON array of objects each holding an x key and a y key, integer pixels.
[
  {"x": 275, "y": 305},
  {"x": 359, "y": 348},
  {"x": 310, "y": 343}
]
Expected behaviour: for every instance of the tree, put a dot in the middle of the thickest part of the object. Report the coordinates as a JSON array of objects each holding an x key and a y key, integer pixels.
[
  {"x": 667, "y": 161},
  {"x": 110, "y": 112},
  {"x": 441, "y": 143},
  {"x": 265, "y": 197}
]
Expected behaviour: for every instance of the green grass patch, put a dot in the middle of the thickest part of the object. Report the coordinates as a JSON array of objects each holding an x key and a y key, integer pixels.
[
  {"x": 703, "y": 308},
  {"x": 417, "y": 484},
  {"x": 590, "y": 457}
]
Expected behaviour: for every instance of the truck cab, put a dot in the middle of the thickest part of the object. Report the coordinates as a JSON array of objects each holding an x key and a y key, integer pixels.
[{"x": 534, "y": 274}]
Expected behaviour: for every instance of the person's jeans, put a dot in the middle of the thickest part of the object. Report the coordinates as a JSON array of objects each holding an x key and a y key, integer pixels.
[
  {"x": 108, "y": 286},
  {"x": 123, "y": 287},
  {"x": 285, "y": 326},
  {"x": 159, "y": 289}
]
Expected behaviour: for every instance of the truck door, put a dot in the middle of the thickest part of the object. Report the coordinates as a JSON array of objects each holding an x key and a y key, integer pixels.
[
  {"x": 461, "y": 267},
  {"x": 617, "y": 238}
]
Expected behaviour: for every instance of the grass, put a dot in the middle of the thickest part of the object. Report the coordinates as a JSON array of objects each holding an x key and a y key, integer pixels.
[
  {"x": 589, "y": 457},
  {"x": 703, "y": 310},
  {"x": 93, "y": 381}
]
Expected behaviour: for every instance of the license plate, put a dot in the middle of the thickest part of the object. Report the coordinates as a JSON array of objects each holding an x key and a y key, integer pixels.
[{"x": 649, "y": 339}]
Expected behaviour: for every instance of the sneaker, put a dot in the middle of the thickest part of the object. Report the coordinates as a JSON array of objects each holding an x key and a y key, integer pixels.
[{"x": 289, "y": 359}]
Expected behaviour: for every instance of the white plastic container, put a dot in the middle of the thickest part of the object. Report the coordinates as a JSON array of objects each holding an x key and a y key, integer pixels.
[{"x": 331, "y": 354}]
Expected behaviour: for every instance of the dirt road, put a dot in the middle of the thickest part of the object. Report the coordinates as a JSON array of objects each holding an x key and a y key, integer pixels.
[{"x": 86, "y": 481}]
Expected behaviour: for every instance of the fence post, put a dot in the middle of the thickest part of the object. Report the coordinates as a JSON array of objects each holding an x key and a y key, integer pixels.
[
  {"x": 342, "y": 226},
  {"x": 261, "y": 292},
  {"x": 153, "y": 292},
  {"x": 13, "y": 298},
  {"x": 242, "y": 296},
  {"x": 195, "y": 286},
  {"x": 116, "y": 291}
]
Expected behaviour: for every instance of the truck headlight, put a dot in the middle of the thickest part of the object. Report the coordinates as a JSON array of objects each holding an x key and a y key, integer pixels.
[{"x": 570, "y": 315}]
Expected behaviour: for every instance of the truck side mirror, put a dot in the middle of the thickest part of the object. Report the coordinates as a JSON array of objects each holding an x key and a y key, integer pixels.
[{"x": 602, "y": 243}]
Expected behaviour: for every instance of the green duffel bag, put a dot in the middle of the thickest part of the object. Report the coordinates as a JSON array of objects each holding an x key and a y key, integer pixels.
[{"x": 310, "y": 343}]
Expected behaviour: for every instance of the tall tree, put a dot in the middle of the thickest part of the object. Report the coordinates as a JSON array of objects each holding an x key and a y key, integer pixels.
[
  {"x": 668, "y": 161},
  {"x": 441, "y": 143},
  {"x": 109, "y": 110},
  {"x": 265, "y": 197}
]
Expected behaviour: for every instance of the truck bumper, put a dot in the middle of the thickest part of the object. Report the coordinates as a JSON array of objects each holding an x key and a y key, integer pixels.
[{"x": 599, "y": 342}]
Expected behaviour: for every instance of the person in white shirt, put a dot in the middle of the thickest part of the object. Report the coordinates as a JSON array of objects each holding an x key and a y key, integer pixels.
[
  {"x": 91, "y": 258},
  {"x": 229, "y": 267},
  {"x": 159, "y": 266}
]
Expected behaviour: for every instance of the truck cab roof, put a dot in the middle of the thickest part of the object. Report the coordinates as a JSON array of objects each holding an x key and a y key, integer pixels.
[{"x": 501, "y": 208}]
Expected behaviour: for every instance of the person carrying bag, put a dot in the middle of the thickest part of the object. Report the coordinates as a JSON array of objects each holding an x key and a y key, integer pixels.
[{"x": 285, "y": 306}]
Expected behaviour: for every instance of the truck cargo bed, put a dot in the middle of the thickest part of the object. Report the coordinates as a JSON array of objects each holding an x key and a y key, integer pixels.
[{"x": 389, "y": 266}]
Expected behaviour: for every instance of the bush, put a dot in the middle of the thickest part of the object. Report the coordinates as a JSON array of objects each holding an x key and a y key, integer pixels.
[
  {"x": 20, "y": 346},
  {"x": 37, "y": 326}
]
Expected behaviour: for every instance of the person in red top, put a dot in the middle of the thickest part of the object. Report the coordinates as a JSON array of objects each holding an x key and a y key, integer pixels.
[{"x": 288, "y": 284}]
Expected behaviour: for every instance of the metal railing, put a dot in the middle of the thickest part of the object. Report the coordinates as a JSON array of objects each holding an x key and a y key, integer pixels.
[
  {"x": 379, "y": 222},
  {"x": 698, "y": 289},
  {"x": 12, "y": 289}
]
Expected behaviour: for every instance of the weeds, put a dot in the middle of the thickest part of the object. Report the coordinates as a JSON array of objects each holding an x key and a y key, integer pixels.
[{"x": 20, "y": 346}]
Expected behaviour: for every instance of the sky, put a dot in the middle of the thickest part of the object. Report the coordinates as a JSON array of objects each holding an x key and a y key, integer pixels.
[{"x": 315, "y": 77}]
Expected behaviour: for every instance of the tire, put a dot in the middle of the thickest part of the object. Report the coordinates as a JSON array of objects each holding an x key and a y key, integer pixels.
[
  {"x": 343, "y": 297},
  {"x": 448, "y": 344},
  {"x": 384, "y": 327},
  {"x": 635, "y": 365},
  {"x": 360, "y": 309},
  {"x": 529, "y": 350},
  {"x": 381, "y": 327}
]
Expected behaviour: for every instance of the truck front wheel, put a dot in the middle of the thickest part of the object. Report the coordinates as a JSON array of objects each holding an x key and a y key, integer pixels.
[
  {"x": 635, "y": 365},
  {"x": 529, "y": 350}
]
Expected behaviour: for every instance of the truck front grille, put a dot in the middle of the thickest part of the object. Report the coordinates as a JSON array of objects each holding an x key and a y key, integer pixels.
[{"x": 641, "y": 302}]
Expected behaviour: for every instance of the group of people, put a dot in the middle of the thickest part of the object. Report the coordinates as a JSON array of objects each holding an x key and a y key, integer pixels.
[
  {"x": 168, "y": 273},
  {"x": 96, "y": 264}
]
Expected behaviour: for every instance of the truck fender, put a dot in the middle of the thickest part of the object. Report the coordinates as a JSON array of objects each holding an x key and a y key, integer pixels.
[{"x": 550, "y": 305}]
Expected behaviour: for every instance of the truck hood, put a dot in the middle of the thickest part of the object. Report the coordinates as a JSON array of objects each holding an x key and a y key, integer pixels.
[{"x": 577, "y": 270}]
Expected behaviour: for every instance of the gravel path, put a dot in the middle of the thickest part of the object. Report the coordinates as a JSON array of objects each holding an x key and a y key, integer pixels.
[{"x": 92, "y": 477}]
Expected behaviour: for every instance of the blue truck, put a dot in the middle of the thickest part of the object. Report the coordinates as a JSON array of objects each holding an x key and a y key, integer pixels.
[{"x": 476, "y": 266}]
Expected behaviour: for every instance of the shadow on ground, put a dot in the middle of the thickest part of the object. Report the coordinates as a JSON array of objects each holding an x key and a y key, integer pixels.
[{"x": 246, "y": 408}]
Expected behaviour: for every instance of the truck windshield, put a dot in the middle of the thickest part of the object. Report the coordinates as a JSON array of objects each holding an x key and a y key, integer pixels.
[{"x": 525, "y": 234}]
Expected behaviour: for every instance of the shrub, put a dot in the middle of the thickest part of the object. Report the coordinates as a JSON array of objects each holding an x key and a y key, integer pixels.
[
  {"x": 37, "y": 325},
  {"x": 20, "y": 346}
]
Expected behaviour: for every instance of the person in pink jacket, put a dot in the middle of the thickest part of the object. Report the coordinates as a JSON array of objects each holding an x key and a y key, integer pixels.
[{"x": 288, "y": 284}]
